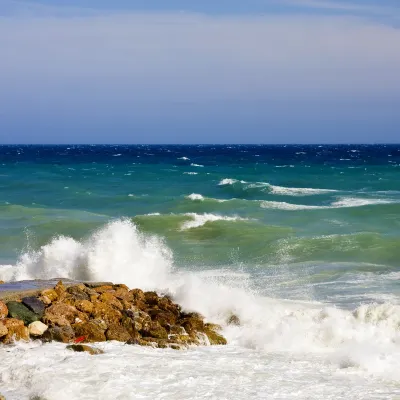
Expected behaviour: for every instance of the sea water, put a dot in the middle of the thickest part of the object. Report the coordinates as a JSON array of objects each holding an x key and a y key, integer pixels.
[{"x": 302, "y": 243}]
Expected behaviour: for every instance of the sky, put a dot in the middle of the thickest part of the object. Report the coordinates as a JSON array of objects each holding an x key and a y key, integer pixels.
[{"x": 210, "y": 71}]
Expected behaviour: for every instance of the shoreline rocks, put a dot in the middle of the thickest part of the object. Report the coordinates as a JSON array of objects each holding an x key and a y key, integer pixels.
[{"x": 87, "y": 313}]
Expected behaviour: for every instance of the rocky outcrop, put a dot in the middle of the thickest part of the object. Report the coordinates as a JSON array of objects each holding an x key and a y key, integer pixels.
[{"x": 88, "y": 313}]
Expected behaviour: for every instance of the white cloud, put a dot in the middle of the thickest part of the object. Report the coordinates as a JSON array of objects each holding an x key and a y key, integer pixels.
[{"x": 186, "y": 55}]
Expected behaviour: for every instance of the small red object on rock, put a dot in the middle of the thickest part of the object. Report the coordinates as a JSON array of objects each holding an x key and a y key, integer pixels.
[{"x": 80, "y": 339}]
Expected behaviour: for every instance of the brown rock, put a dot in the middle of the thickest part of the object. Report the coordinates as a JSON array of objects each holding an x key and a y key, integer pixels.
[
  {"x": 106, "y": 312},
  {"x": 91, "y": 330},
  {"x": 128, "y": 323},
  {"x": 124, "y": 295},
  {"x": 78, "y": 293},
  {"x": 154, "y": 330},
  {"x": 51, "y": 294},
  {"x": 110, "y": 299},
  {"x": 84, "y": 306},
  {"x": 165, "y": 319},
  {"x": 117, "y": 332},
  {"x": 103, "y": 289},
  {"x": 3, "y": 330},
  {"x": 233, "y": 320},
  {"x": 16, "y": 330},
  {"x": 84, "y": 348},
  {"x": 45, "y": 300},
  {"x": 151, "y": 298},
  {"x": 60, "y": 334},
  {"x": 215, "y": 338},
  {"x": 166, "y": 304},
  {"x": 142, "y": 320},
  {"x": 60, "y": 289},
  {"x": 192, "y": 322},
  {"x": 2, "y": 282},
  {"x": 3, "y": 310},
  {"x": 138, "y": 295},
  {"x": 61, "y": 314},
  {"x": 121, "y": 286}
]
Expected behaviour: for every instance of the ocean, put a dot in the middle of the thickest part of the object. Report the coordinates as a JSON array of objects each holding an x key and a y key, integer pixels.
[{"x": 301, "y": 242}]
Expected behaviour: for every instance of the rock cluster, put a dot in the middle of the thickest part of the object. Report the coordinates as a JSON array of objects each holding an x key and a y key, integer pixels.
[{"x": 87, "y": 313}]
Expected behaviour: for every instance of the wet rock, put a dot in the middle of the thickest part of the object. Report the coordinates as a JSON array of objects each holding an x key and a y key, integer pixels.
[
  {"x": 64, "y": 334},
  {"x": 129, "y": 324},
  {"x": 60, "y": 314},
  {"x": 3, "y": 310},
  {"x": 21, "y": 312},
  {"x": 37, "y": 328},
  {"x": 51, "y": 294},
  {"x": 16, "y": 330},
  {"x": 45, "y": 300},
  {"x": 151, "y": 298},
  {"x": 154, "y": 330},
  {"x": 3, "y": 330},
  {"x": 164, "y": 318},
  {"x": 138, "y": 295},
  {"x": 84, "y": 348},
  {"x": 2, "y": 282},
  {"x": 35, "y": 305},
  {"x": 233, "y": 320},
  {"x": 117, "y": 332},
  {"x": 215, "y": 338},
  {"x": 109, "y": 298},
  {"x": 92, "y": 331}
]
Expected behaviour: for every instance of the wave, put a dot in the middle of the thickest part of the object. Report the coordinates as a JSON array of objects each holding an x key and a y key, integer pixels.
[
  {"x": 273, "y": 189},
  {"x": 344, "y": 202},
  {"x": 196, "y": 165},
  {"x": 195, "y": 197},
  {"x": 366, "y": 338},
  {"x": 198, "y": 220}
]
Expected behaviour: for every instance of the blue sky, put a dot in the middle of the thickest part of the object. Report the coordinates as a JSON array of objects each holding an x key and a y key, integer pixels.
[{"x": 254, "y": 71}]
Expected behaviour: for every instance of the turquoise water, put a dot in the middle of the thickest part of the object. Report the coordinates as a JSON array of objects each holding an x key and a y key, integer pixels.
[
  {"x": 301, "y": 243},
  {"x": 301, "y": 222}
]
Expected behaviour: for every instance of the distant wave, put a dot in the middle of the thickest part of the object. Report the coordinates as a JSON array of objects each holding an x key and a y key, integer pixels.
[
  {"x": 344, "y": 202},
  {"x": 201, "y": 219},
  {"x": 274, "y": 189},
  {"x": 196, "y": 165},
  {"x": 190, "y": 173},
  {"x": 195, "y": 197}
]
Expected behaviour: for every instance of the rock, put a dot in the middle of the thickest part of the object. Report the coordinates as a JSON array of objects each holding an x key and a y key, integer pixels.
[
  {"x": 103, "y": 289},
  {"x": 45, "y": 300},
  {"x": 105, "y": 312},
  {"x": 60, "y": 289},
  {"x": 166, "y": 319},
  {"x": 51, "y": 294},
  {"x": 3, "y": 310},
  {"x": 84, "y": 305},
  {"x": 78, "y": 293},
  {"x": 215, "y": 338},
  {"x": 60, "y": 314},
  {"x": 3, "y": 330},
  {"x": 16, "y": 330},
  {"x": 62, "y": 334},
  {"x": 233, "y": 320},
  {"x": 2, "y": 282},
  {"x": 37, "y": 328},
  {"x": 117, "y": 332},
  {"x": 110, "y": 299},
  {"x": 35, "y": 305},
  {"x": 84, "y": 348},
  {"x": 154, "y": 330},
  {"x": 21, "y": 312},
  {"x": 138, "y": 295},
  {"x": 92, "y": 331},
  {"x": 1, "y": 396},
  {"x": 151, "y": 298}
]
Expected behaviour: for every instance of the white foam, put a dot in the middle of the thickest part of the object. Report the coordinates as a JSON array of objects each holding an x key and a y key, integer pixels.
[
  {"x": 229, "y": 181},
  {"x": 195, "y": 197},
  {"x": 359, "y": 202},
  {"x": 197, "y": 165},
  {"x": 201, "y": 219},
  {"x": 289, "y": 191},
  {"x": 191, "y": 173},
  {"x": 183, "y": 158}
]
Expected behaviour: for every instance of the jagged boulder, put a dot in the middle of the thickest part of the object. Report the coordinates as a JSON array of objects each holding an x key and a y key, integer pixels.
[
  {"x": 61, "y": 314},
  {"x": 20, "y": 311},
  {"x": 117, "y": 332},
  {"x": 35, "y": 305},
  {"x": 3, "y": 329},
  {"x": 15, "y": 330},
  {"x": 64, "y": 334}
]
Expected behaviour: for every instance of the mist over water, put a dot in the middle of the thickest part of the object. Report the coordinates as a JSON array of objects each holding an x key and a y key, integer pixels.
[{"x": 300, "y": 244}]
